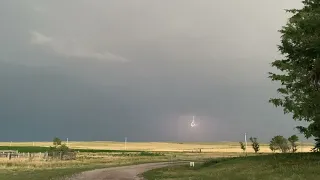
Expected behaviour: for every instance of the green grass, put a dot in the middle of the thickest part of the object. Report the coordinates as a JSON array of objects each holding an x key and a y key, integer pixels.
[
  {"x": 36, "y": 149},
  {"x": 299, "y": 166}
]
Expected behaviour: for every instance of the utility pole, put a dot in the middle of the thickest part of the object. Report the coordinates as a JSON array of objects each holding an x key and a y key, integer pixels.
[
  {"x": 245, "y": 140},
  {"x": 125, "y": 143}
]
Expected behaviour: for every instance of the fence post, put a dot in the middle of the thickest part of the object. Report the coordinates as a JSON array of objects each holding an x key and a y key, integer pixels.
[
  {"x": 46, "y": 155},
  {"x": 9, "y": 156},
  {"x": 60, "y": 155}
]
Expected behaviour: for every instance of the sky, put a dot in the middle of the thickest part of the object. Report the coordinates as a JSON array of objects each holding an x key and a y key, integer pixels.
[{"x": 103, "y": 70}]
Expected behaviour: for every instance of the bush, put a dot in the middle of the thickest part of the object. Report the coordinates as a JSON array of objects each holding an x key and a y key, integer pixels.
[
  {"x": 61, "y": 152},
  {"x": 242, "y": 146},
  {"x": 255, "y": 144},
  {"x": 279, "y": 143},
  {"x": 317, "y": 146},
  {"x": 56, "y": 141},
  {"x": 293, "y": 139}
]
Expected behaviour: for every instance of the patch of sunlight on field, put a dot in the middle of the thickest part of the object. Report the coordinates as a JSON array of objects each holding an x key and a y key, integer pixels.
[{"x": 159, "y": 146}]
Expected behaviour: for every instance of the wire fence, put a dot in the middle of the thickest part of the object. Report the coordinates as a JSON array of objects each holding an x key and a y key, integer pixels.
[{"x": 45, "y": 156}]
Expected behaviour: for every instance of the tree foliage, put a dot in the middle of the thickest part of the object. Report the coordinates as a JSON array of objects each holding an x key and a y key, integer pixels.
[
  {"x": 293, "y": 142},
  {"x": 279, "y": 143},
  {"x": 300, "y": 67},
  {"x": 255, "y": 144},
  {"x": 242, "y": 146},
  {"x": 57, "y": 141},
  {"x": 317, "y": 146}
]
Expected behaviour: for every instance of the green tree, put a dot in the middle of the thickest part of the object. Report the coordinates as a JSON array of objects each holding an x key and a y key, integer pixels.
[
  {"x": 317, "y": 146},
  {"x": 242, "y": 146},
  {"x": 279, "y": 143},
  {"x": 272, "y": 148},
  {"x": 255, "y": 144},
  {"x": 293, "y": 142},
  {"x": 57, "y": 141},
  {"x": 300, "y": 67}
]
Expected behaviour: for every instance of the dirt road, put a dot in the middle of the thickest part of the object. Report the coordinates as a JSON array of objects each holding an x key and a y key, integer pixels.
[{"x": 118, "y": 173}]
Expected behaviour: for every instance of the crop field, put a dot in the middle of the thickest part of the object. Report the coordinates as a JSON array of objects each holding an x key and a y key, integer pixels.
[{"x": 228, "y": 147}]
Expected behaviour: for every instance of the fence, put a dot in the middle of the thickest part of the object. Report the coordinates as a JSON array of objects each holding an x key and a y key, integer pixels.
[{"x": 45, "y": 156}]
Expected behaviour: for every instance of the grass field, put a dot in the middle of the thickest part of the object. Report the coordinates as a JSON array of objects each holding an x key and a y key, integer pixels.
[
  {"x": 157, "y": 146},
  {"x": 40, "y": 169},
  {"x": 299, "y": 166}
]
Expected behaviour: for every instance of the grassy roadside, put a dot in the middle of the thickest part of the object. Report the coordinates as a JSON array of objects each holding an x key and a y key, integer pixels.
[
  {"x": 42, "y": 169},
  {"x": 268, "y": 167},
  {"x": 58, "y": 173}
]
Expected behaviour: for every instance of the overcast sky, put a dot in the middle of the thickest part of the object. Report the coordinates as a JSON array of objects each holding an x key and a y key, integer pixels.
[{"x": 107, "y": 69}]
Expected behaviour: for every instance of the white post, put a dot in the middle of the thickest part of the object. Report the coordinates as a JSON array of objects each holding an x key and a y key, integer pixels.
[
  {"x": 245, "y": 140},
  {"x": 11, "y": 143},
  {"x": 67, "y": 141},
  {"x": 125, "y": 143}
]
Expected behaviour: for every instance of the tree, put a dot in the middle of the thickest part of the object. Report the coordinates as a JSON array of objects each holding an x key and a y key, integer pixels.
[
  {"x": 255, "y": 144},
  {"x": 317, "y": 146},
  {"x": 272, "y": 148},
  {"x": 56, "y": 141},
  {"x": 300, "y": 67},
  {"x": 293, "y": 139},
  {"x": 279, "y": 143},
  {"x": 242, "y": 146}
]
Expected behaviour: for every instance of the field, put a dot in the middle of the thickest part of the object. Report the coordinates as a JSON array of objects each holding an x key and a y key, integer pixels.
[
  {"x": 94, "y": 155},
  {"x": 298, "y": 166},
  {"x": 219, "y": 147}
]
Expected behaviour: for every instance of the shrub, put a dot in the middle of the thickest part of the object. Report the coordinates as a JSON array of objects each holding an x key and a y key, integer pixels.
[
  {"x": 255, "y": 144},
  {"x": 279, "y": 143},
  {"x": 293, "y": 139},
  {"x": 242, "y": 146}
]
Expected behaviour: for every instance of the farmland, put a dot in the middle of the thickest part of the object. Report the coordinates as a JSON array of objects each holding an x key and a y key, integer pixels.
[{"x": 92, "y": 155}]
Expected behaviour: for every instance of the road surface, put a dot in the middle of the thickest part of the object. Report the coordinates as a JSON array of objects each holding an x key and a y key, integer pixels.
[{"x": 118, "y": 173}]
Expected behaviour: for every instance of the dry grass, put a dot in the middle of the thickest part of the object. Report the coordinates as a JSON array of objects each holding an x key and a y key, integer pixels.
[
  {"x": 82, "y": 160},
  {"x": 159, "y": 146}
]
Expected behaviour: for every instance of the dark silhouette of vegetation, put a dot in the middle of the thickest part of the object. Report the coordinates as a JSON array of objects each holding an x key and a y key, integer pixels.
[
  {"x": 279, "y": 143},
  {"x": 56, "y": 141},
  {"x": 255, "y": 144},
  {"x": 59, "y": 150},
  {"x": 300, "y": 67},
  {"x": 317, "y": 146},
  {"x": 293, "y": 143},
  {"x": 242, "y": 146}
]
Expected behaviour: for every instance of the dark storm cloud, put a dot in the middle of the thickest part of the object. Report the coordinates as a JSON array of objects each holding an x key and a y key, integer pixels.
[{"x": 103, "y": 70}]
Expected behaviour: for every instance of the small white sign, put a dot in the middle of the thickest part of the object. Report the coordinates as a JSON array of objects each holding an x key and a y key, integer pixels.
[{"x": 191, "y": 164}]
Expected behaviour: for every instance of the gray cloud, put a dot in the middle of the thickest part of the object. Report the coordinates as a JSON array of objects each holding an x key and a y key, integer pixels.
[
  {"x": 208, "y": 58},
  {"x": 72, "y": 48}
]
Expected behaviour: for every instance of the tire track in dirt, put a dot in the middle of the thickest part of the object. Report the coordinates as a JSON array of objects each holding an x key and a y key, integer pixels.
[{"x": 119, "y": 173}]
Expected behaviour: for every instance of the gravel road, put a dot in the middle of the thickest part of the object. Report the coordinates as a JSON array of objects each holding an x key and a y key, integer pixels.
[{"x": 118, "y": 173}]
